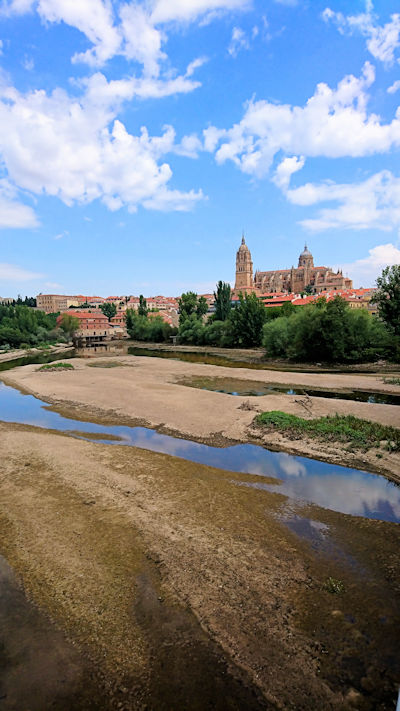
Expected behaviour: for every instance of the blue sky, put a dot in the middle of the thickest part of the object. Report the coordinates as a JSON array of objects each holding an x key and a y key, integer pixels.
[{"x": 138, "y": 140}]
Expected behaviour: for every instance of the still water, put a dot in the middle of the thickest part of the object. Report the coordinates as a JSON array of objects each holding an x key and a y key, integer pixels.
[
  {"x": 246, "y": 388},
  {"x": 333, "y": 487}
]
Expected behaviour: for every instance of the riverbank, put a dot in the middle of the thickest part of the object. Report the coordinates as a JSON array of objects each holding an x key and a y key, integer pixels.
[
  {"x": 257, "y": 357},
  {"x": 150, "y": 391},
  {"x": 185, "y": 589},
  {"x": 9, "y": 356}
]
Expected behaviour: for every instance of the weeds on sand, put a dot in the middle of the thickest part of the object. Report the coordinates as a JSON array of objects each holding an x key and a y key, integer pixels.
[
  {"x": 391, "y": 381},
  {"x": 56, "y": 366},
  {"x": 334, "y": 586},
  {"x": 361, "y": 434}
]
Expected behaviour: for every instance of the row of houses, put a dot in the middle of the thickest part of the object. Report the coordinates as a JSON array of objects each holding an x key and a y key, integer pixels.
[{"x": 356, "y": 298}]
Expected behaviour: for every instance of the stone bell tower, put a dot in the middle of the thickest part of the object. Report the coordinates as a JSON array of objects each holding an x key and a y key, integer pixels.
[{"x": 244, "y": 268}]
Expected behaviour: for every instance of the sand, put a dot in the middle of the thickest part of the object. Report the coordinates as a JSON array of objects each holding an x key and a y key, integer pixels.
[
  {"x": 179, "y": 588},
  {"x": 183, "y": 590},
  {"x": 147, "y": 390}
]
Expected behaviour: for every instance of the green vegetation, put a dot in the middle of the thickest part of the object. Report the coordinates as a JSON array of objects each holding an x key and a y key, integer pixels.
[
  {"x": 334, "y": 586},
  {"x": 69, "y": 324},
  {"x": 387, "y": 298},
  {"x": 56, "y": 366},
  {"x": 191, "y": 305},
  {"x": 28, "y": 301},
  {"x": 222, "y": 301},
  {"x": 358, "y": 433},
  {"x": 23, "y": 327},
  {"x": 142, "y": 310},
  {"x": 247, "y": 320},
  {"x": 323, "y": 331},
  {"x": 142, "y": 328},
  {"x": 241, "y": 327},
  {"x": 392, "y": 381},
  {"x": 109, "y": 309},
  {"x": 329, "y": 332}
]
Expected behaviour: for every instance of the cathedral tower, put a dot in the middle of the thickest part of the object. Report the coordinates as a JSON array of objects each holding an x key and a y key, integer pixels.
[
  {"x": 244, "y": 268},
  {"x": 306, "y": 259}
]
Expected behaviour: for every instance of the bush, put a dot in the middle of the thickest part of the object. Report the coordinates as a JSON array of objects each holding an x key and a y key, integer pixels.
[
  {"x": 337, "y": 428},
  {"x": 329, "y": 332},
  {"x": 21, "y": 325},
  {"x": 142, "y": 328}
]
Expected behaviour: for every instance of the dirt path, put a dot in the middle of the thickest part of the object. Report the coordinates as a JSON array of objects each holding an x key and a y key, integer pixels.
[
  {"x": 148, "y": 390},
  {"x": 185, "y": 591}
]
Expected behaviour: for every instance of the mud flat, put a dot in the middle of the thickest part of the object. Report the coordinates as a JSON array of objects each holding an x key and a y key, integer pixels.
[
  {"x": 184, "y": 586},
  {"x": 184, "y": 590},
  {"x": 150, "y": 391}
]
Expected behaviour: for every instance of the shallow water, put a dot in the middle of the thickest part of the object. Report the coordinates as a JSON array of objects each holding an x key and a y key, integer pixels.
[
  {"x": 245, "y": 388},
  {"x": 333, "y": 487},
  {"x": 38, "y": 358},
  {"x": 212, "y": 359},
  {"x": 39, "y": 669}
]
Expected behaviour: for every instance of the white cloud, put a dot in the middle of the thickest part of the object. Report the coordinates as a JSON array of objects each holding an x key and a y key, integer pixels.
[
  {"x": 15, "y": 7},
  {"x": 94, "y": 18},
  {"x": 333, "y": 123},
  {"x": 291, "y": 466},
  {"x": 53, "y": 285},
  {"x": 196, "y": 64},
  {"x": 285, "y": 171},
  {"x": 394, "y": 87},
  {"x": 14, "y": 214},
  {"x": 10, "y": 272},
  {"x": 131, "y": 29},
  {"x": 365, "y": 271},
  {"x": 371, "y": 204},
  {"x": 28, "y": 64},
  {"x": 168, "y": 200},
  {"x": 142, "y": 39},
  {"x": 78, "y": 151},
  {"x": 382, "y": 40},
  {"x": 189, "y": 10},
  {"x": 238, "y": 41}
]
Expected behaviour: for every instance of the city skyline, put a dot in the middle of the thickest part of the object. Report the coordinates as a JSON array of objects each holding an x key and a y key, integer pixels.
[{"x": 140, "y": 139}]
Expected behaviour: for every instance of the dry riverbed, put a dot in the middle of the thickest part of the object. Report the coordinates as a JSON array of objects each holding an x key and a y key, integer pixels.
[
  {"x": 171, "y": 587},
  {"x": 150, "y": 391}
]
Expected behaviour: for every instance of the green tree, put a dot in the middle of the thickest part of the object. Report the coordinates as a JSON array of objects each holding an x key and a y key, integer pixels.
[
  {"x": 69, "y": 324},
  {"x": 329, "y": 332},
  {"x": 109, "y": 309},
  {"x": 141, "y": 328},
  {"x": 187, "y": 305},
  {"x": 222, "y": 301},
  {"x": 202, "y": 307},
  {"x": 247, "y": 319},
  {"x": 142, "y": 310},
  {"x": 387, "y": 298}
]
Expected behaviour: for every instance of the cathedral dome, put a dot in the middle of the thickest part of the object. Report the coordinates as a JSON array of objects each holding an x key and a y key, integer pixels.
[{"x": 306, "y": 252}]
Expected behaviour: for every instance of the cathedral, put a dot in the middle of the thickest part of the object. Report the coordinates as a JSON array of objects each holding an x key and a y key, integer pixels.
[{"x": 293, "y": 280}]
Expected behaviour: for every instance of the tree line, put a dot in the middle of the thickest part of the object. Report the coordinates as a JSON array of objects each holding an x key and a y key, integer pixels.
[
  {"x": 22, "y": 326},
  {"x": 326, "y": 331}
]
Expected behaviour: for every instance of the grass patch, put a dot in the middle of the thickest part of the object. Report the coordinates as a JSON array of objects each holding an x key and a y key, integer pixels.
[
  {"x": 392, "y": 381},
  {"x": 56, "y": 366},
  {"x": 359, "y": 433},
  {"x": 334, "y": 586}
]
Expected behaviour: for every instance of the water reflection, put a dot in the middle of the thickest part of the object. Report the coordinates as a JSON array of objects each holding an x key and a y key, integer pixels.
[
  {"x": 244, "y": 388},
  {"x": 330, "y": 486}
]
